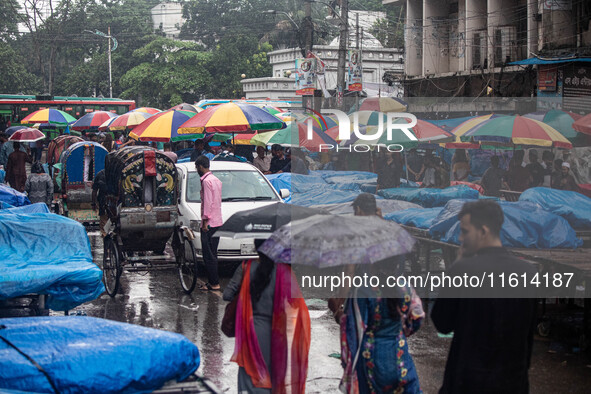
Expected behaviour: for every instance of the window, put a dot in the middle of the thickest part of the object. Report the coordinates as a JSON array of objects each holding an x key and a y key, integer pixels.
[{"x": 236, "y": 186}]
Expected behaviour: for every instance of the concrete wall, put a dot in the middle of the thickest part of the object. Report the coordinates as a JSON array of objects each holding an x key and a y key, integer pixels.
[
  {"x": 475, "y": 23},
  {"x": 413, "y": 38},
  {"x": 435, "y": 37},
  {"x": 169, "y": 16}
]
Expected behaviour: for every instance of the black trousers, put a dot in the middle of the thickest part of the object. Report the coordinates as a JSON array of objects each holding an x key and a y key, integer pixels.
[{"x": 209, "y": 251}]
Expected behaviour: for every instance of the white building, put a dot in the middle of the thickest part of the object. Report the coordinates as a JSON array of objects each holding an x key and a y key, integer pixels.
[{"x": 169, "y": 18}]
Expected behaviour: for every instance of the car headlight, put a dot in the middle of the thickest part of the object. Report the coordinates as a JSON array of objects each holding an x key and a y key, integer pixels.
[{"x": 195, "y": 225}]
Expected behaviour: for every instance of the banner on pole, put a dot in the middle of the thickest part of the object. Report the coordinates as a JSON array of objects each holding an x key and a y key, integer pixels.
[
  {"x": 355, "y": 71},
  {"x": 305, "y": 78}
]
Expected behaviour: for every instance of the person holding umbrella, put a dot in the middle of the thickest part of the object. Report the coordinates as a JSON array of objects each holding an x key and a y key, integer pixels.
[{"x": 16, "y": 172}]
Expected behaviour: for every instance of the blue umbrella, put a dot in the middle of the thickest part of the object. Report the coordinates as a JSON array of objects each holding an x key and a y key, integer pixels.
[{"x": 12, "y": 129}]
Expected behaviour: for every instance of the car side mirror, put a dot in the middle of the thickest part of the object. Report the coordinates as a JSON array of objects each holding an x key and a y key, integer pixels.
[{"x": 284, "y": 193}]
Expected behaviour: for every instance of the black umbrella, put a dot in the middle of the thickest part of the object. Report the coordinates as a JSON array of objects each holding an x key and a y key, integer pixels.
[
  {"x": 262, "y": 222},
  {"x": 12, "y": 129}
]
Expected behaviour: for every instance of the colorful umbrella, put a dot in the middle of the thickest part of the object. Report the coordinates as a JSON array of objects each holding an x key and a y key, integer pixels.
[
  {"x": 92, "y": 120},
  {"x": 148, "y": 110},
  {"x": 583, "y": 125},
  {"x": 383, "y": 104},
  {"x": 272, "y": 110},
  {"x": 27, "y": 135},
  {"x": 125, "y": 121},
  {"x": 295, "y": 135},
  {"x": 516, "y": 130},
  {"x": 187, "y": 107},
  {"x": 562, "y": 121},
  {"x": 461, "y": 129},
  {"x": 12, "y": 129},
  {"x": 49, "y": 115},
  {"x": 231, "y": 118},
  {"x": 163, "y": 127}
]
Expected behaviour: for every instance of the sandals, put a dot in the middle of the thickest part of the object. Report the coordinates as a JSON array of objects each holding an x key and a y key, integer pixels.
[{"x": 208, "y": 287}]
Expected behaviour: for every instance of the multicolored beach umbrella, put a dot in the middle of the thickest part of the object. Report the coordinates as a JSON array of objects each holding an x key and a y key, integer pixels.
[
  {"x": 383, "y": 104},
  {"x": 125, "y": 121},
  {"x": 583, "y": 125},
  {"x": 49, "y": 115},
  {"x": 148, "y": 110},
  {"x": 92, "y": 120},
  {"x": 163, "y": 127},
  {"x": 231, "y": 117},
  {"x": 516, "y": 130},
  {"x": 562, "y": 121},
  {"x": 272, "y": 110},
  {"x": 294, "y": 135}
]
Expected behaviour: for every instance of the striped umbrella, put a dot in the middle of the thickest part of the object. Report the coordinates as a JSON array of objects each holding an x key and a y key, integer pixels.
[
  {"x": 187, "y": 107},
  {"x": 148, "y": 110},
  {"x": 92, "y": 120},
  {"x": 125, "y": 121},
  {"x": 562, "y": 121},
  {"x": 516, "y": 130},
  {"x": 163, "y": 127},
  {"x": 583, "y": 125},
  {"x": 294, "y": 135},
  {"x": 231, "y": 118},
  {"x": 50, "y": 115},
  {"x": 272, "y": 110},
  {"x": 383, "y": 104}
]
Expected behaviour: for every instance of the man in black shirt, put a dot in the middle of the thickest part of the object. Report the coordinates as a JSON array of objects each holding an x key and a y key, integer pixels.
[
  {"x": 99, "y": 194},
  {"x": 492, "y": 337},
  {"x": 535, "y": 169},
  {"x": 278, "y": 162}
]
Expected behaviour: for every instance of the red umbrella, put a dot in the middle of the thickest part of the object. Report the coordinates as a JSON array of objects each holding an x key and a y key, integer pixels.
[
  {"x": 27, "y": 135},
  {"x": 583, "y": 125}
]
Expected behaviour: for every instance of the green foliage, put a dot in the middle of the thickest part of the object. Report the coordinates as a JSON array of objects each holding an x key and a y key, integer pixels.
[{"x": 15, "y": 77}]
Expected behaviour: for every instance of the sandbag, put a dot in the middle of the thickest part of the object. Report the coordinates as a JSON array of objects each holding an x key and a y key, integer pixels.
[
  {"x": 573, "y": 206},
  {"x": 86, "y": 354}
]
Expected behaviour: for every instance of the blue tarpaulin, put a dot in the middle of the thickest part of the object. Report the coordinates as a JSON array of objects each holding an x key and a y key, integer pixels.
[
  {"x": 526, "y": 225},
  {"x": 417, "y": 217},
  {"x": 86, "y": 354},
  {"x": 12, "y": 197},
  {"x": 38, "y": 207},
  {"x": 537, "y": 60},
  {"x": 429, "y": 198},
  {"x": 573, "y": 206},
  {"x": 44, "y": 253}
]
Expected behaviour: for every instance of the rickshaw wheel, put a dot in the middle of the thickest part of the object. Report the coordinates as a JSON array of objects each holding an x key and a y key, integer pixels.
[
  {"x": 187, "y": 266},
  {"x": 111, "y": 267}
]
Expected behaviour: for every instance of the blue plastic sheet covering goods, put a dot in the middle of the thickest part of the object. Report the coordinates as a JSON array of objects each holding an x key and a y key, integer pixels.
[
  {"x": 385, "y": 206},
  {"x": 416, "y": 217},
  {"x": 38, "y": 207},
  {"x": 429, "y": 198},
  {"x": 573, "y": 206},
  {"x": 12, "y": 197},
  {"x": 526, "y": 225},
  {"x": 44, "y": 253},
  {"x": 86, "y": 354}
]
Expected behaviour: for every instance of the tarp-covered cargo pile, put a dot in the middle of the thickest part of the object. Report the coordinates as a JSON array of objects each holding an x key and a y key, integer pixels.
[{"x": 44, "y": 253}]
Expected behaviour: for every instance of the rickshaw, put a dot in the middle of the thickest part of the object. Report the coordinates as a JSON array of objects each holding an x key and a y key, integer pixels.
[
  {"x": 79, "y": 163},
  {"x": 142, "y": 208},
  {"x": 58, "y": 145}
]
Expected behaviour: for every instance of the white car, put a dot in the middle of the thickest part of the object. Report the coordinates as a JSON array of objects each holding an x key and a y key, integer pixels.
[{"x": 244, "y": 187}]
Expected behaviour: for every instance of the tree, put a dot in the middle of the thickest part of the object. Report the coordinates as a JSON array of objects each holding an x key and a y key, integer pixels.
[
  {"x": 10, "y": 14},
  {"x": 15, "y": 77},
  {"x": 233, "y": 57},
  {"x": 168, "y": 71}
]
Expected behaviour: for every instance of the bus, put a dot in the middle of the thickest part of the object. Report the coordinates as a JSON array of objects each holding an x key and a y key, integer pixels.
[
  {"x": 283, "y": 104},
  {"x": 15, "y": 107}
]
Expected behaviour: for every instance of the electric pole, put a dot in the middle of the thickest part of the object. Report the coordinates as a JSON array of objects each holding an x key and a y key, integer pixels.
[
  {"x": 344, "y": 37},
  {"x": 308, "y": 27},
  {"x": 110, "y": 74}
]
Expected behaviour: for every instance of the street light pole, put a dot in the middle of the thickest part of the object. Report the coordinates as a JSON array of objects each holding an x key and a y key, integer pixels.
[
  {"x": 110, "y": 74},
  {"x": 344, "y": 37}
]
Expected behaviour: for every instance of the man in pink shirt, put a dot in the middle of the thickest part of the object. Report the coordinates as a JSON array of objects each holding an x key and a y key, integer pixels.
[{"x": 211, "y": 219}]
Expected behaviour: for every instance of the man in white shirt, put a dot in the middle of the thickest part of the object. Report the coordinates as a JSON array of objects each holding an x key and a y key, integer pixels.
[{"x": 262, "y": 161}]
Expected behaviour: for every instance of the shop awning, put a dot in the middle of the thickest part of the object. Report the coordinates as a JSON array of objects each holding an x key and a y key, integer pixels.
[{"x": 537, "y": 60}]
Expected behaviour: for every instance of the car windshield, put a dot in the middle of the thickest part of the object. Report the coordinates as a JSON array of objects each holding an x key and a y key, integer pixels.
[{"x": 236, "y": 186}]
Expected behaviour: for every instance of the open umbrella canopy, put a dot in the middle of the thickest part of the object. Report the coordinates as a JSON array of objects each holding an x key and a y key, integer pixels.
[
  {"x": 295, "y": 134},
  {"x": 517, "y": 130},
  {"x": 163, "y": 127},
  {"x": 262, "y": 222},
  {"x": 272, "y": 110},
  {"x": 12, "y": 129},
  {"x": 383, "y": 104},
  {"x": 425, "y": 132},
  {"x": 92, "y": 120},
  {"x": 583, "y": 125},
  {"x": 125, "y": 121},
  {"x": 28, "y": 134},
  {"x": 188, "y": 107},
  {"x": 148, "y": 110},
  {"x": 231, "y": 118},
  {"x": 562, "y": 121},
  {"x": 50, "y": 115},
  {"x": 329, "y": 241}
]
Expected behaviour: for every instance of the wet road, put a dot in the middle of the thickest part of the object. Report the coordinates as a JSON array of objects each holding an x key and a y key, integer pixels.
[{"x": 155, "y": 299}]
